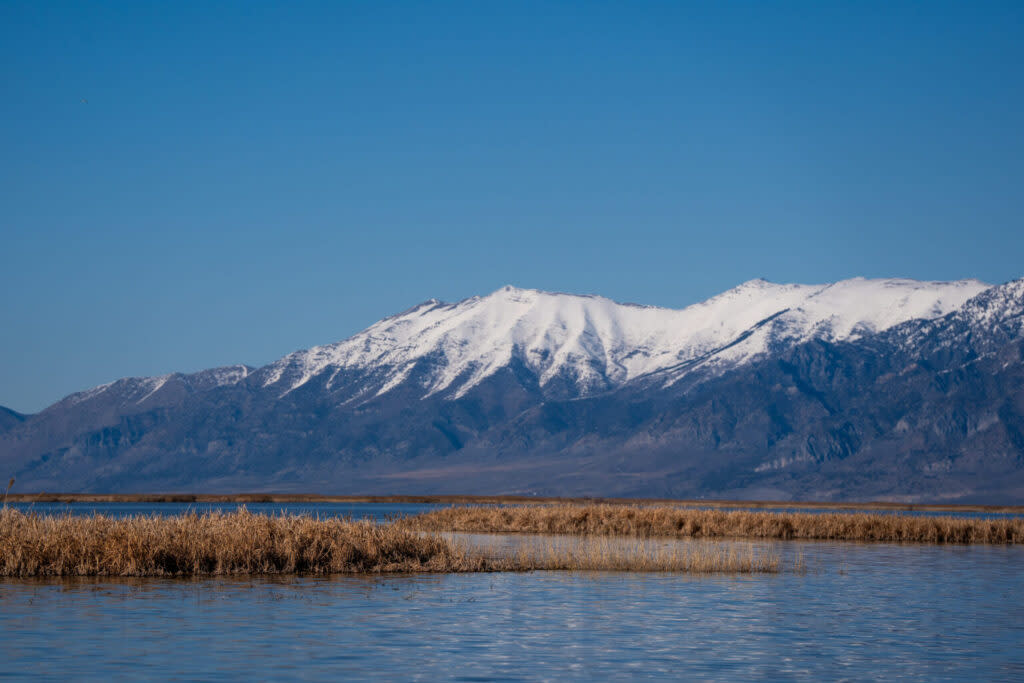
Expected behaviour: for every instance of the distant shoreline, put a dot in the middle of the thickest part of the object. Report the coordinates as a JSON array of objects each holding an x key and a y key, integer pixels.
[{"x": 44, "y": 497}]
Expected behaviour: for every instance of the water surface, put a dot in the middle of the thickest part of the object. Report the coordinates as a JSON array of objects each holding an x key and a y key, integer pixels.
[{"x": 862, "y": 611}]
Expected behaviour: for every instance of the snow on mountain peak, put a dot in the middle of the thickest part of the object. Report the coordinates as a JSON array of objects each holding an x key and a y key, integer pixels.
[
  {"x": 136, "y": 390},
  {"x": 595, "y": 343}
]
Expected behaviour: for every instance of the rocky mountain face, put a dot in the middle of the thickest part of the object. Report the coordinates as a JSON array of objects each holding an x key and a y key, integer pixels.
[{"x": 863, "y": 389}]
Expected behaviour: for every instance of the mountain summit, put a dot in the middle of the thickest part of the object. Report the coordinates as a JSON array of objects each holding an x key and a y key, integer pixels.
[
  {"x": 591, "y": 344},
  {"x": 861, "y": 388}
]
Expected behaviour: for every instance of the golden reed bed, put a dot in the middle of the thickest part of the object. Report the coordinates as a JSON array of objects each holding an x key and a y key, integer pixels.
[
  {"x": 215, "y": 543},
  {"x": 641, "y": 555},
  {"x": 675, "y": 522},
  {"x": 244, "y": 543}
]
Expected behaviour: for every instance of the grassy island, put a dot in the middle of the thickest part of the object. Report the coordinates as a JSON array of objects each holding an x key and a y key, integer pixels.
[
  {"x": 612, "y": 537},
  {"x": 667, "y": 521},
  {"x": 241, "y": 542}
]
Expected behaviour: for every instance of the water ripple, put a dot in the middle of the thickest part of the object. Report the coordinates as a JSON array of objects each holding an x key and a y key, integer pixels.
[{"x": 862, "y": 611}]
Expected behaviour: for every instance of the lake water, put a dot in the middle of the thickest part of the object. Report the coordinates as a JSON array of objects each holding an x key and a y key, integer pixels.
[{"x": 861, "y": 611}]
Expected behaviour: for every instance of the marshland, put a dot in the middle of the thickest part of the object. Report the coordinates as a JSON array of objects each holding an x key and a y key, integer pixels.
[
  {"x": 669, "y": 521},
  {"x": 34, "y": 543},
  {"x": 464, "y": 588},
  {"x": 215, "y": 543},
  {"x": 320, "y": 499},
  {"x": 349, "y": 594}
]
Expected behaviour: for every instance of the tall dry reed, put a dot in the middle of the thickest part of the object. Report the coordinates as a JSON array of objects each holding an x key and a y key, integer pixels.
[
  {"x": 214, "y": 543},
  {"x": 244, "y": 543},
  {"x": 606, "y": 554},
  {"x": 675, "y": 522}
]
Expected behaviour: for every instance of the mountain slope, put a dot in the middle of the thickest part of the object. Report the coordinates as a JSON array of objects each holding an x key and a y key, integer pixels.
[
  {"x": 9, "y": 419},
  {"x": 862, "y": 389},
  {"x": 930, "y": 410}
]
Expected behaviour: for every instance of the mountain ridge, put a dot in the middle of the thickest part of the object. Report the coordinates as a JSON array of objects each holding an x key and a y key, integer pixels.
[
  {"x": 595, "y": 331},
  {"x": 894, "y": 408},
  {"x": 757, "y": 283}
]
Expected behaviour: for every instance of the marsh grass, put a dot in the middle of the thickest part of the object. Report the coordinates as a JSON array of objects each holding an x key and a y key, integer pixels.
[
  {"x": 674, "y": 522},
  {"x": 604, "y": 553},
  {"x": 217, "y": 543},
  {"x": 7, "y": 492},
  {"x": 42, "y": 497},
  {"x": 214, "y": 543}
]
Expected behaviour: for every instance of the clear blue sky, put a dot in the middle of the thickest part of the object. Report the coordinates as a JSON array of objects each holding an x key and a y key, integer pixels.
[{"x": 248, "y": 179}]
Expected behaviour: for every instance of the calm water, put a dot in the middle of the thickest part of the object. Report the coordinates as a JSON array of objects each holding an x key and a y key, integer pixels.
[{"x": 860, "y": 612}]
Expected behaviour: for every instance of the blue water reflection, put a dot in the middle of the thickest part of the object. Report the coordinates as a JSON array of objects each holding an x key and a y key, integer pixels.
[{"x": 862, "y": 611}]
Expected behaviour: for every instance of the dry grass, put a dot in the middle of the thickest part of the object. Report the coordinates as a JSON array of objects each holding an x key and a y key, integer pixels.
[
  {"x": 43, "y": 497},
  {"x": 33, "y": 545},
  {"x": 674, "y": 522},
  {"x": 215, "y": 543},
  {"x": 606, "y": 554}
]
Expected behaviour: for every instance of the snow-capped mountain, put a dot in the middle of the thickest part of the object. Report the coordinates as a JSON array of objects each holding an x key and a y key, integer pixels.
[
  {"x": 859, "y": 389},
  {"x": 597, "y": 344}
]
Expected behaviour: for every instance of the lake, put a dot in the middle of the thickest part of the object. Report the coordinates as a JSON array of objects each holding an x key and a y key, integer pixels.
[{"x": 861, "y": 611}]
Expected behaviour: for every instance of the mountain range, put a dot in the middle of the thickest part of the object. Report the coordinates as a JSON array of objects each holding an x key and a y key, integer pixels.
[{"x": 862, "y": 389}]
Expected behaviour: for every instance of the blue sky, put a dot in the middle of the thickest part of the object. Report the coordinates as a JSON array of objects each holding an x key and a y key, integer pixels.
[{"x": 248, "y": 179}]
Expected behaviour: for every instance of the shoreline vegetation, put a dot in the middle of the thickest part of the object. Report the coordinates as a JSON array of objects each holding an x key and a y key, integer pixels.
[
  {"x": 567, "y": 537},
  {"x": 217, "y": 544},
  {"x": 680, "y": 523},
  {"x": 45, "y": 497}
]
